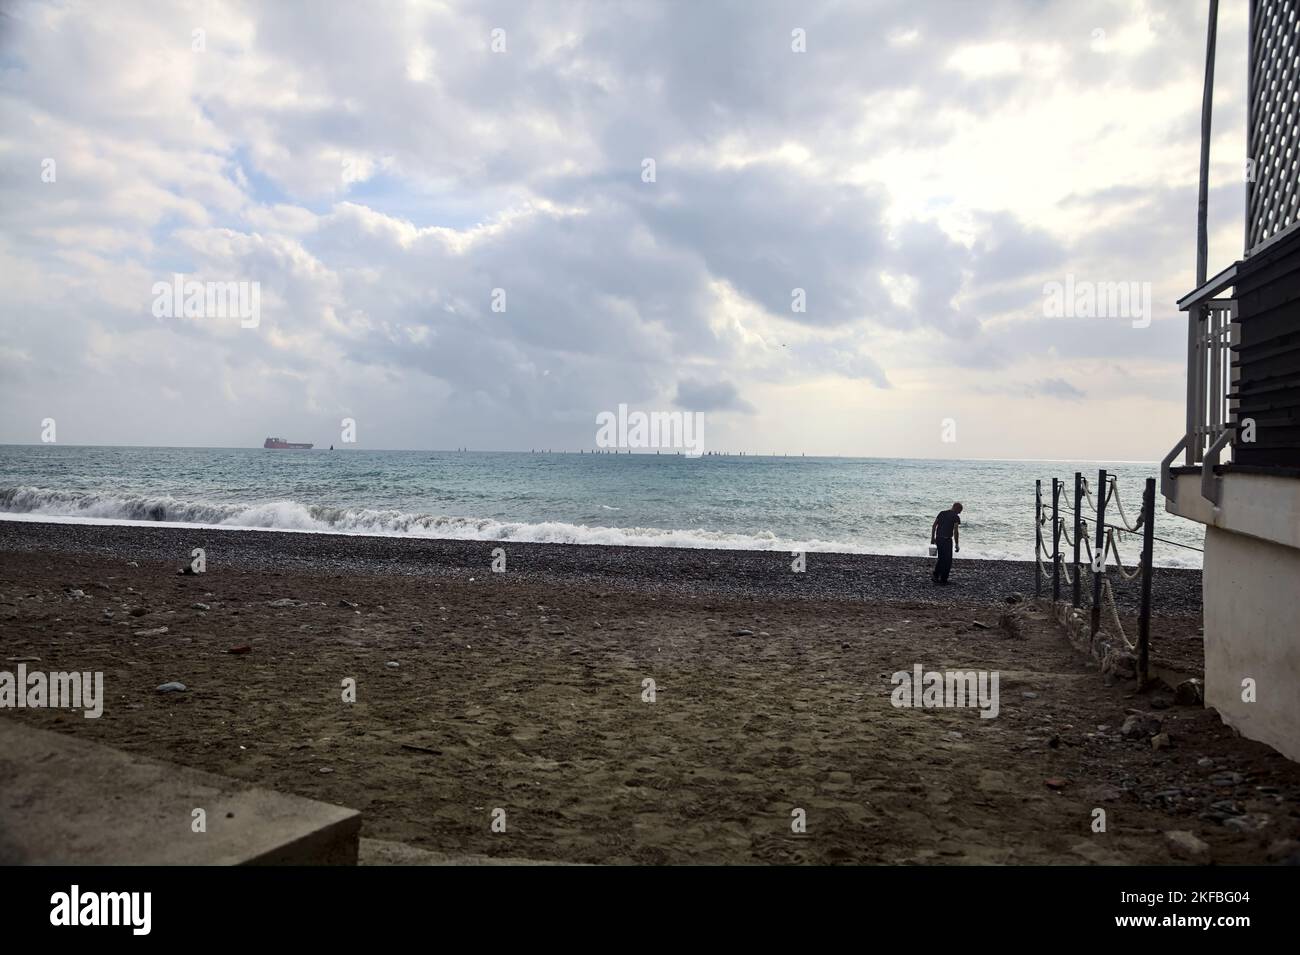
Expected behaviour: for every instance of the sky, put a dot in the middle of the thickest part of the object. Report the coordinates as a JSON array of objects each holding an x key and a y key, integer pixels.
[{"x": 448, "y": 213}]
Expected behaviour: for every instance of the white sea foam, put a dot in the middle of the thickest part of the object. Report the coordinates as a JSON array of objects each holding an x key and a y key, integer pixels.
[{"x": 42, "y": 504}]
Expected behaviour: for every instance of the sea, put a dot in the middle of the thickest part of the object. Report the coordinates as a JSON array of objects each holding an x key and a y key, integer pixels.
[{"x": 847, "y": 505}]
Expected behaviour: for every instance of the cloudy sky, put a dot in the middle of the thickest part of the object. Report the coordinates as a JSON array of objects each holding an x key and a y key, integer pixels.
[{"x": 921, "y": 170}]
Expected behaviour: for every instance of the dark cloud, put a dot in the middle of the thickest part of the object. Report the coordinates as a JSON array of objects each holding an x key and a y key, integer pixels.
[{"x": 698, "y": 395}]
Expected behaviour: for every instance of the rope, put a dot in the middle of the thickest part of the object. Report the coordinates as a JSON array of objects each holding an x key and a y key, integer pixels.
[
  {"x": 1087, "y": 493},
  {"x": 1109, "y": 602},
  {"x": 1119, "y": 564},
  {"x": 1113, "y": 493}
]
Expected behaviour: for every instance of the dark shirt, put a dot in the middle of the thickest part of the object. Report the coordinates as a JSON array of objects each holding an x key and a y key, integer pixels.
[{"x": 947, "y": 521}]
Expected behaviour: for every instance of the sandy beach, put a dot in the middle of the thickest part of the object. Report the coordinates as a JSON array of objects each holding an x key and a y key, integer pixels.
[{"x": 525, "y": 691}]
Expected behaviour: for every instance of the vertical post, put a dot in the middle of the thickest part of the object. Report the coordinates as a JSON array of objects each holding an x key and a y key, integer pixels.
[
  {"x": 1038, "y": 537},
  {"x": 1099, "y": 555},
  {"x": 1193, "y": 323},
  {"x": 1078, "y": 541},
  {"x": 1207, "y": 109},
  {"x": 1144, "y": 615},
  {"x": 1056, "y": 542}
]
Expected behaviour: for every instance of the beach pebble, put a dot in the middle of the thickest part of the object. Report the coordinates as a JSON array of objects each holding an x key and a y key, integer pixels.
[
  {"x": 1160, "y": 741},
  {"x": 744, "y": 632},
  {"x": 1227, "y": 778},
  {"x": 155, "y": 632},
  {"x": 137, "y": 611},
  {"x": 1186, "y": 845},
  {"x": 392, "y": 664},
  {"x": 348, "y": 604},
  {"x": 978, "y": 625},
  {"x": 1190, "y": 693},
  {"x": 1029, "y": 695},
  {"x": 172, "y": 687},
  {"x": 282, "y": 602},
  {"x": 1139, "y": 726},
  {"x": 200, "y": 606},
  {"x": 77, "y": 594},
  {"x": 325, "y": 770}
]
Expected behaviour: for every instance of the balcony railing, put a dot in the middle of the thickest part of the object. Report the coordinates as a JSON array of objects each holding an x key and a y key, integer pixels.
[{"x": 1212, "y": 330}]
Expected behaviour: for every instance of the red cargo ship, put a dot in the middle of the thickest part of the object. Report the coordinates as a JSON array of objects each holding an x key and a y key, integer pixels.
[{"x": 279, "y": 444}]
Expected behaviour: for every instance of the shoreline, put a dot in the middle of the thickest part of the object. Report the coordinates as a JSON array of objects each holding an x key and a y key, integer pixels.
[{"x": 677, "y": 570}]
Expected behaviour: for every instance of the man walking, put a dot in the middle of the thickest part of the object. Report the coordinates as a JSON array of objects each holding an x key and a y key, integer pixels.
[{"x": 944, "y": 533}]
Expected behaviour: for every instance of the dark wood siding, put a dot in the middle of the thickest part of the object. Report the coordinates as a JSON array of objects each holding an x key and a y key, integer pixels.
[{"x": 1268, "y": 355}]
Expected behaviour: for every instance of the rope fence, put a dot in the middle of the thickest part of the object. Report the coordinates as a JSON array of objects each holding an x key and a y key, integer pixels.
[{"x": 1089, "y": 519}]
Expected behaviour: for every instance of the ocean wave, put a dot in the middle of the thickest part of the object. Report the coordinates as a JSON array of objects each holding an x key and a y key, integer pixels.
[{"x": 287, "y": 515}]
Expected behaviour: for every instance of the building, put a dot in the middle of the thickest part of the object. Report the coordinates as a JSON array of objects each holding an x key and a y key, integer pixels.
[{"x": 1240, "y": 469}]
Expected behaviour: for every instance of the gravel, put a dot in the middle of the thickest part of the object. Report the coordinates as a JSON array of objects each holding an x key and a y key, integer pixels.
[{"x": 670, "y": 570}]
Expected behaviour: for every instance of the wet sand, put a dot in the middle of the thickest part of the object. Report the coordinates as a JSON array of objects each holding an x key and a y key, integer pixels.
[{"x": 525, "y": 691}]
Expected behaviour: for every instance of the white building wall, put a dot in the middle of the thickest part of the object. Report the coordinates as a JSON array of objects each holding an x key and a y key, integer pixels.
[{"x": 1252, "y": 631}]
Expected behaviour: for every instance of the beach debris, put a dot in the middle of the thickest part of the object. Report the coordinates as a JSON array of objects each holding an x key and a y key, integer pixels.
[
  {"x": 23, "y": 659},
  {"x": 199, "y": 606},
  {"x": 1140, "y": 726},
  {"x": 1186, "y": 845},
  {"x": 348, "y": 604},
  {"x": 1160, "y": 741},
  {"x": 1055, "y": 782},
  {"x": 172, "y": 687},
  {"x": 978, "y": 625},
  {"x": 282, "y": 602},
  {"x": 1190, "y": 693},
  {"x": 392, "y": 664},
  {"x": 153, "y": 632},
  {"x": 242, "y": 648}
]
